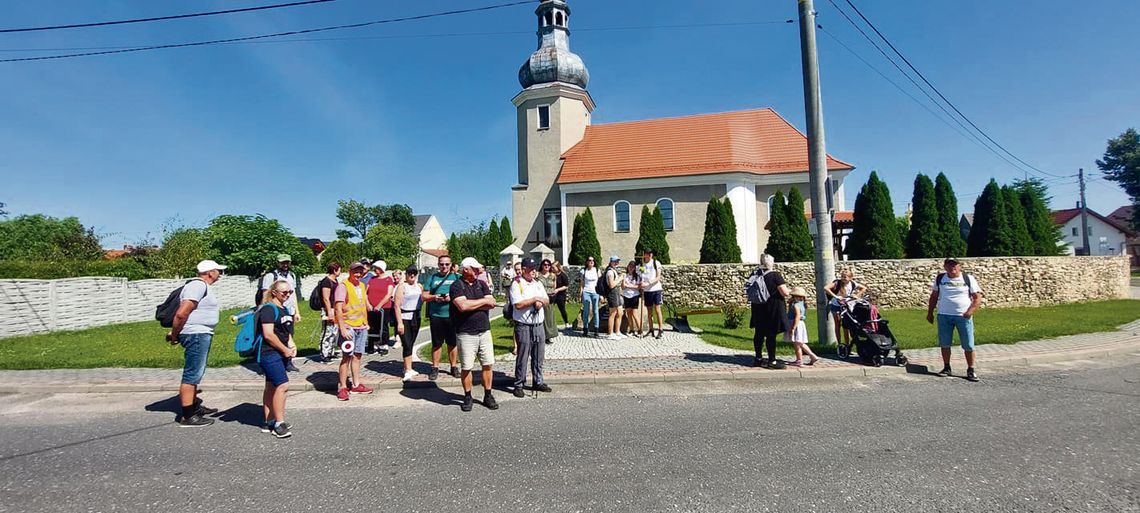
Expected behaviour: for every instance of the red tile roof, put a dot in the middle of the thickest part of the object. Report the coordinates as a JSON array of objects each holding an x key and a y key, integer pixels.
[
  {"x": 435, "y": 252},
  {"x": 751, "y": 141}
]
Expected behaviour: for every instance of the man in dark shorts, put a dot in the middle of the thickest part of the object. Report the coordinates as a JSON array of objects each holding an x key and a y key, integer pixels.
[
  {"x": 437, "y": 296},
  {"x": 769, "y": 318}
]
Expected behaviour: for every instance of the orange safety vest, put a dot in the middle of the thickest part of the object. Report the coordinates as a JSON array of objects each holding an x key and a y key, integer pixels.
[{"x": 355, "y": 305}]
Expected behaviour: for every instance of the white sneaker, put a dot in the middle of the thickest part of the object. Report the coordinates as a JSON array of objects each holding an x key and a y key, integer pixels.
[{"x": 410, "y": 374}]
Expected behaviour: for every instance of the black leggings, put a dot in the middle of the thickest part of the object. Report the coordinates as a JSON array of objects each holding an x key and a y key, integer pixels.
[
  {"x": 411, "y": 331},
  {"x": 560, "y": 302},
  {"x": 761, "y": 339}
]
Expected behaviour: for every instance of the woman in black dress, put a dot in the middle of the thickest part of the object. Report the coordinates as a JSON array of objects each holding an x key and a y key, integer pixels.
[{"x": 770, "y": 318}]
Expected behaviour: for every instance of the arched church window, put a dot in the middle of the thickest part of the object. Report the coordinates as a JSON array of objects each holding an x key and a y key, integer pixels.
[
  {"x": 549, "y": 19},
  {"x": 558, "y": 20},
  {"x": 621, "y": 216},
  {"x": 665, "y": 206}
]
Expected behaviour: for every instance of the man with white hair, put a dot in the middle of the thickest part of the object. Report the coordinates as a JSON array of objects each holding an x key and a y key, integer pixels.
[
  {"x": 194, "y": 328},
  {"x": 471, "y": 300}
]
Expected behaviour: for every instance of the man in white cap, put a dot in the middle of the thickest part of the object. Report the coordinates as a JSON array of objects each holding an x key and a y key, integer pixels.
[
  {"x": 471, "y": 300},
  {"x": 193, "y": 328},
  {"x": 282, "y": 272},
  {"x": 528, "y": 297}
]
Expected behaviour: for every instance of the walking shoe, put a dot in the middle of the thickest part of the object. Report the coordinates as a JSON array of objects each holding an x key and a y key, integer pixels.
[
  {"x": 291, "y": 367},
  {"x": 382, "y": 351},
  {"x": 360, "y": 389},
  {"x": 434, "y": 374},
  {"x": 195, "y": 420},
  {"x": 811, "y": 362},
  {"x": 945, "y": 372},
  {"x": 759, "y": 362},
  {"x": 281, "y": 430},
  {"x": 455, "y": 372},
  {"x": 410, "y": 374},
  {"x": 519, "y": 392},
  {"x": 342, "y": 394},
  {"x": 542, "y": 387},
  {"x": 659, "y": 333},
  {"x": 489, "y": 401},
  {"x": 776, "y": 365},
  {"x": 204, "y": 410},
  {"x": 266, "y": 428},
  {"x": 970, "y": 375},
  {"x": 467, "y": 402}
]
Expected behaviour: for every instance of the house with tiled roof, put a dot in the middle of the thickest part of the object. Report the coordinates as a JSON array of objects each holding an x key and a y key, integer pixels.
[
  {"x": 566, "y": 164},
  {"x": 1106, "y": 236}
]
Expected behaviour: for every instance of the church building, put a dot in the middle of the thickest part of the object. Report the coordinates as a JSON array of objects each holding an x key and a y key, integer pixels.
[{"x": 566, "y": 164}]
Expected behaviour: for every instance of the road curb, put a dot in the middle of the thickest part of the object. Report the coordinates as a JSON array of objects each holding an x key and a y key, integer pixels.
[{"x": 600, "y": 378}]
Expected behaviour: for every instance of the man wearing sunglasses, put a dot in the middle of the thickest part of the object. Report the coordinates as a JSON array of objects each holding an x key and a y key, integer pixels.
[{"x": 437, "y": 296}]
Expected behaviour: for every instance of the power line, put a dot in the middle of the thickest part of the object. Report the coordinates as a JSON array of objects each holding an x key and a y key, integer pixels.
[
  {"x": 266, "y": 36},
  {"x": 160, "y": 18},
  {"x": 939, "y": 93},
  {"x": 429, "y": 35}
]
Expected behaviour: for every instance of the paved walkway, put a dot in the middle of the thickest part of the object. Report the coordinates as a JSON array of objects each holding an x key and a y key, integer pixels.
[{"x": 676, "y": 357}]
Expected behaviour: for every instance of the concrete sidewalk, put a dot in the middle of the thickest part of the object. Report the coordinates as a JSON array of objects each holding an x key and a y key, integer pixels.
[{"x": 676, "y": 357}]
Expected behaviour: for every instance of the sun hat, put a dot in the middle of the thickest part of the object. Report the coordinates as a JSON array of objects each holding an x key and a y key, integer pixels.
[
  {"x": 380, "y": 264},
  {"x": 470, "y": 263},
  {"x": 799, "y": 291},
  {"x": 206, "y": 266},
  {"x": 282, "y": 257}
]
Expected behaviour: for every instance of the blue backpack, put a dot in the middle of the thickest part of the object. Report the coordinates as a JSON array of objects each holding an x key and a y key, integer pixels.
[{"x": 248, "y": 341}]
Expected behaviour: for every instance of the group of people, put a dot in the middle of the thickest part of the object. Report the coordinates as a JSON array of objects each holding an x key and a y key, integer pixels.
[{"x": 459, "y": 302}]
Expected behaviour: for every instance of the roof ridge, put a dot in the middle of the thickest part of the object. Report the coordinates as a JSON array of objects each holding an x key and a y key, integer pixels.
[{"x": 686, "y": 116}]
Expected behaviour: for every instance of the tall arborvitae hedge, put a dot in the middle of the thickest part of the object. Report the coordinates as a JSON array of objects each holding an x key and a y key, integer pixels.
[
  {"x": 1020, "y": 243},
  {"x": 652, "y": 235},
  {"x": 949, "y": 233},
  {"x": 991, "y": 233},
  {"x": 875, "y": 234},
  {"x": 585, "y": 242},
  {"x": 924, "y": 236},
  {"x": 719, "y": 245},
  {"x": 800, "y": 241}
]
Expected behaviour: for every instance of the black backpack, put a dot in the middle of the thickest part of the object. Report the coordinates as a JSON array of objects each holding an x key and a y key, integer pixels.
[
  {"x": 316, "y": 301},
  {"x": 296, "y": 289},
  {"x": 965, "y": 278},
  {"x": 603, "y": 289},
  {"x": 164, "y": 313}
]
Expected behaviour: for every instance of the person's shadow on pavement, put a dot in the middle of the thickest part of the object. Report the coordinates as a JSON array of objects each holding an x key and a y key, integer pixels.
[
  {"x": 431, "y": 392},
  {"x": 247, "y": 414}
]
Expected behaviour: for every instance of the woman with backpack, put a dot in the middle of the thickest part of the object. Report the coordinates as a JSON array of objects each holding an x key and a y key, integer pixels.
[
  {"x": 275, "y": 331},
  {"x": 769, "y": 317},
  {"x": 590, "y": 276},
  {"x": 322, "y": 301},
  {"x": 408, "y": 297},
  {"x": 631, "y": 299}
]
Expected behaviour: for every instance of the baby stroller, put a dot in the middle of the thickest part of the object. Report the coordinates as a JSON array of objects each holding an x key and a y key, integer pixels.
[{"x": 871, "y": 334}]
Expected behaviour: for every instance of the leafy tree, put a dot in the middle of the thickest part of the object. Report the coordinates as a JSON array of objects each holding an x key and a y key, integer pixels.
[
  {"x": 1121, "y": 164},
  {"x": 41, "y": 238},
  {"x": 342, "y": 252},
  {"x": 453, "y": 244},
  {"x": 799, "y": 235},
  {"x": 249, "y": 245},
  {"x": 652, "y": 234},
  {"x": 991, "y": 234},
  {"x": 397, "y": 214},
  {"x": 3, "y": 213},
  {"x": 585, "y": 242},
  {"x": 393, "y": 243},
  {"x": 507, "y": 237},
  {"x": 719, "y": 244},
  {"x": 180, "y": 253},
  {"x": 358, "y": 217},
  {"x": 923, "y": 238},
  {"x": 1022, "y": 245},
  {"x": 949, "y": 234},
  {"x": 475, "y": 242},
  {"x": 875, "y": 234},
  {"x": 1043, "y": 233}
]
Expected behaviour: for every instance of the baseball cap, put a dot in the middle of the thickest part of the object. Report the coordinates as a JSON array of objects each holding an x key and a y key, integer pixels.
[
  {"x": 471, "y": 263},
  {"x": 282, "y": 257},
  {"x": 529, "y": 263},
  {"x": 951, "y": 261},
  {"x": 357, "y": 265},
  {"x": 206, "y": 266},
  {"x": 411, "y": 270},
  {"x": 615, "y": 258},
  {"x": 380, "y": 264}
]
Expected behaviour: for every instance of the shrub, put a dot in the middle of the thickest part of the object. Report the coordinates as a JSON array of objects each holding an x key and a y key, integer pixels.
[
  {"x": 41, "y": 270},
  {"x": 733, "y": 316},
  {"x": 585, "y": 242}
]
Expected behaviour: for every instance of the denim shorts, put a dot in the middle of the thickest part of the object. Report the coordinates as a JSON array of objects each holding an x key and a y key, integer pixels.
[
  {"x": 273, "y": 365},
  {"x": 946, "y": 326},
  {"x": 359, "y": 340},
  {"x": 197, "y": 348}
]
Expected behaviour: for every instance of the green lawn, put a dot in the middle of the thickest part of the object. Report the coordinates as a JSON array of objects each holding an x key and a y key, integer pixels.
[
  {"x": 502, "y": 333},
  {"x": 136, "y": 344},
  {"x": 992, "y": 325}
]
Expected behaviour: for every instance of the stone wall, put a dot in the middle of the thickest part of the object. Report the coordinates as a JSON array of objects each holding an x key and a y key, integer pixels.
[{"x": 1005, "y": 282}]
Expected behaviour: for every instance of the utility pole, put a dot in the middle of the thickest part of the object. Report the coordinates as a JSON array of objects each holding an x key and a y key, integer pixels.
[
  {"x": 1084, "y": 213},
  {"x": 817, "y": 169}
]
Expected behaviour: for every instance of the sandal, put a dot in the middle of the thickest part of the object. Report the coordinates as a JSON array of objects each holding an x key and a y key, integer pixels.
[{"x": 811, "y": 362}]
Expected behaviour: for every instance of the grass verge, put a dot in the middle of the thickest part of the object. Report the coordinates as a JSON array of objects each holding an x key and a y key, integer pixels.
[
  {"x": 503, "y": 334},
  {"x": 991, "y": 325}
]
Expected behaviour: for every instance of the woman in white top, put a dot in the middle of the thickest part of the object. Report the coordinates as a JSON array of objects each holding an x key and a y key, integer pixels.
[
  {"x": 407, "y": 299},
  {"x": 590, "y": 299},
  {"x": 631, "y": 297},
  {"x": 840, "y": 289}
]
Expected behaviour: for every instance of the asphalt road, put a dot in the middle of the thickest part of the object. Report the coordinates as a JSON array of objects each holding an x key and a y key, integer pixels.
[{"x": 1045, "y": 439}]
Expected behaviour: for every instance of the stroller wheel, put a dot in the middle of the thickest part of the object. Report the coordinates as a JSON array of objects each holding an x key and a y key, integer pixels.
[
  {"x": 843, "y": 351},
  {"x": 877, "y": 360},
  {"x": 901, "y": 360}
]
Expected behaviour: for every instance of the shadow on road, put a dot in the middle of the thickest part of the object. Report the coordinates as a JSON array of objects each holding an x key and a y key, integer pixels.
[
  {"x": 324, "y": 381},
  {"x": 431, "y": 392},
  {"x": 247, "y": 414},
  {"x": 742, "y": 360}
]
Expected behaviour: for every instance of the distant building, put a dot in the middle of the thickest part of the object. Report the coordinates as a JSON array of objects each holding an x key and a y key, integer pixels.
[
  {"x": 566, "y": 165},
  {"x": 1123, "y": 216},
  {"x": 964, "y": 225},
  {"x": 1106, "y": 236},
  {"x": 316, "y": 245}
]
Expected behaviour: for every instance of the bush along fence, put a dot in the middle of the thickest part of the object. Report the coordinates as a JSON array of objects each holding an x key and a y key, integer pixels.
[{"x": 39, "y": 306}]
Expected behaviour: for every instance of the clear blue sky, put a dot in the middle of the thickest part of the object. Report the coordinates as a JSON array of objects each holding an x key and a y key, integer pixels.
[{"x": 129, "y": 142}]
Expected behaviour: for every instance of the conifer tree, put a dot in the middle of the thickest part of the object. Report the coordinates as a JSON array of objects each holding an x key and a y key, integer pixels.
[
  {"x": 507, "y": 237},
  {"x": 924, "y": 234},
  {"x": 991, "y": 234},
  {"x": 875, "y": 234},
  {"x": 585, "y": 242},
  {"x": 652, "y": 234},
  {"x": 731, "y": 247},
  {"x": 718, "y": 245},
  {"x": 779, "y": 240},
  {"x": 949, "y": 234},
  {"x": 799, "y": 236},
  {"x": 492, "y": 238},
  {"x": 1043, "y": 233},
  {"x": 1021, "y": 243}
]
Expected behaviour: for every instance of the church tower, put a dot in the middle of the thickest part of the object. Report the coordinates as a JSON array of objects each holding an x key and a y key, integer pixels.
[{"x": 553, "y": 112}]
